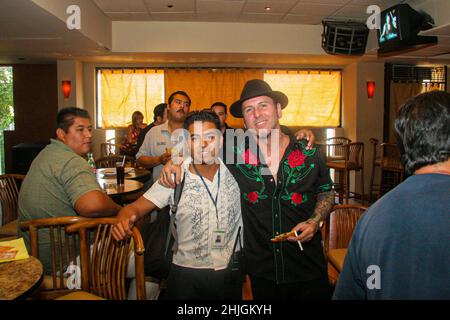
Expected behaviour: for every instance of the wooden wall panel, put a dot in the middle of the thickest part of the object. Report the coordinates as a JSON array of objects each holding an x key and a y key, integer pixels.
[{"x": 35, "y": 106}]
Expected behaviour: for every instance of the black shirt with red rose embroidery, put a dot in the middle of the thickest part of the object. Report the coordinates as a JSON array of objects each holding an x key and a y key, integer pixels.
[{"x": 269, "y": 209}]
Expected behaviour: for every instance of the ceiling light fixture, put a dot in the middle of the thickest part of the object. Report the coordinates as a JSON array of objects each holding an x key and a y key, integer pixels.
[{"x": 268, "y": 8}]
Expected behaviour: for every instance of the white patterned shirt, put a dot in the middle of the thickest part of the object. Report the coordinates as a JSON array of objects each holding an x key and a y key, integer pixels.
[
  {"x": 156, "y": 142},
  {"x": 196, "y": 217}
]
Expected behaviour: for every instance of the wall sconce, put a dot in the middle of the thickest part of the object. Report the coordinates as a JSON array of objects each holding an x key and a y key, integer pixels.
[
  {"x": 370, "y": 89},
  {"x": 66, "y": 87}
]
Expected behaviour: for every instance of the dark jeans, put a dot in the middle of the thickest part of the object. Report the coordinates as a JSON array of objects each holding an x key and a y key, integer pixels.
[
  {"x": 202, "y": 284},
  {"x": 264, "y": 289}
]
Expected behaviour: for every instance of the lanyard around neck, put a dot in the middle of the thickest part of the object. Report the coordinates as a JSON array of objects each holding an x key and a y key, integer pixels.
[{"x": 214, "y": 200}]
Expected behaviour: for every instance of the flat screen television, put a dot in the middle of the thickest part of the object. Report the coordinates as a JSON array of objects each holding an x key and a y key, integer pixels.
[{"x": 399, "y": 28}]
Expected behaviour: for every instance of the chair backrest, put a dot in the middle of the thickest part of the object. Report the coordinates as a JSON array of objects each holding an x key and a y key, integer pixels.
[
  {"x": 117, "y": 140},
  {"x": 338, "y": 140},
  {"x": 340, "y": 224},
  {"x": 390, "y": 155},
  {"x": 108, "y": 149},
  {"x": 374, "y": 143},
  {"x": 354, "y": 155},
  {"x": 103, "y": 270},
  {"x": 110, "y": 161},
  {"x": 335, "y": 146},
  {"x": 63, "y": 247},
  {"x": 9, "y": 194}
]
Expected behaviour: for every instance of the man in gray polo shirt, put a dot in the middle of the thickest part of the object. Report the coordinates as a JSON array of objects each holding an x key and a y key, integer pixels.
[
  {"x": 60, "y": 182},
  {"x": 156, "y": 148}
]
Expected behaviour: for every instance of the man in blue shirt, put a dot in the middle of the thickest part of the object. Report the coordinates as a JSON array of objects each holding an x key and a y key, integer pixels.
[{"x": 400, "y": 249}]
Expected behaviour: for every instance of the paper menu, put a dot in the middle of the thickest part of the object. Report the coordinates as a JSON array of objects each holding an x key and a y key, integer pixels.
[{"x": 13, "y": 250}]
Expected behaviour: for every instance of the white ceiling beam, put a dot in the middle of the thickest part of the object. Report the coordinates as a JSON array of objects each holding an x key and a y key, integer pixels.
[
  {"x": 216, "y": 37},
  {"x": 94, "y": 23}
]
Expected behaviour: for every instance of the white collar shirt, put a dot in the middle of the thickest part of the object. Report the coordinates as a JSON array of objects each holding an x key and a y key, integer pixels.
[{"x": 196, "y": 218}]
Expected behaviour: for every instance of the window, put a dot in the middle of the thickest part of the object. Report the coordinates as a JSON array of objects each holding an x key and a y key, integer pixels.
[
  {"x": 120, "y": 92},
  {"x": 314, "y": 96},
  {"x": 6, "y": 108},
  {"x": 405, "y": 82}
]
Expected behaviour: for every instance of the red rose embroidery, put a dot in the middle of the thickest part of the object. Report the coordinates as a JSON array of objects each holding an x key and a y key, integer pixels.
[
  {"x": 296, "y": 158},
  {"x": 250, "y": 158},
  {"x": 252, "y": 197},
  {"x": 296, "y": 198}
]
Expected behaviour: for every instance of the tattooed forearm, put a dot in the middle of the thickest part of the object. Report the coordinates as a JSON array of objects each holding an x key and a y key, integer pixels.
[{"x": 325, "y": 201}]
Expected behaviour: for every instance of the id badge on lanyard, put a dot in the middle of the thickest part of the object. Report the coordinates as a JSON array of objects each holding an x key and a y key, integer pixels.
[
  {"x": 218, "y": 239},
  {"x": 218, "y": 234}
]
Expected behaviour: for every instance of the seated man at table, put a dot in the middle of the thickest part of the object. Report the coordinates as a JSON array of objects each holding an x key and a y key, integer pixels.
[
  {"x": 60, "y": 182},
  {"x": 400, "y": 247}
]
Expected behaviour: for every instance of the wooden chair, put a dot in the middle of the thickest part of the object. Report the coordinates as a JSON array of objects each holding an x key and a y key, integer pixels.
[
  {"x": 117, "y": 140},
  {"x": 353, "y": 161},
  {"x": 9, "y": 195},
  {"x": 110, "y": 149},
  {"x": 63, "y": 251},
  {"x": 110, "y": 161},
  {"x": 386, "y": 158},
  {"x": 339, "y": 140},
  {"x": 335, "y": 148},
  {"x": 104, "y": 264},
  {"x": 338, "y": 230}
]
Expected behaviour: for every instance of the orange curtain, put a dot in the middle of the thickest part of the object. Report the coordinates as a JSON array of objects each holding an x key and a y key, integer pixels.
[
  {"x": 400, "y": 92},
  {"x": 124, "y": 91},
  {"x": 205, "y": 86},
  {"x": 314, "y": 96}
]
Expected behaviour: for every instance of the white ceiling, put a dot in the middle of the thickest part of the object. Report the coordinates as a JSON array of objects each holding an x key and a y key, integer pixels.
[
  {"x": 28, "y": 31},
  {"x": 282, "y": 11}
]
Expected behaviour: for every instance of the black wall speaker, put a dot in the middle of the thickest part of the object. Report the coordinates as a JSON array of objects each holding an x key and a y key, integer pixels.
[{"x": 346, "y": 38}]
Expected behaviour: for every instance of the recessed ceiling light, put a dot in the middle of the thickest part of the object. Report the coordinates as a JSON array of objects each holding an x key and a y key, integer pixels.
[
  {"x": 267, "y": 8},
  {"x": 170, "y": 6}
]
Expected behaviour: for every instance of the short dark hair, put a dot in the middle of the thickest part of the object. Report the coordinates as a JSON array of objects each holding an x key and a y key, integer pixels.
[
  {"x": 181, "y": 93},
  {"x": 159, "y": 110},
  {"x": 203, "y": 116},
  {"x": 221, "y": 104},
  {"x": 423, "y": 130},
  {"x": 66, "y": 117}
]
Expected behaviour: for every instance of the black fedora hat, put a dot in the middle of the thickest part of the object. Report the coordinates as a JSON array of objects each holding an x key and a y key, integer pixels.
[{"x": 256, "y": 88}]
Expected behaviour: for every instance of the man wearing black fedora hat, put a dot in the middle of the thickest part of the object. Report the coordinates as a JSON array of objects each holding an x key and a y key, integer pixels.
[
  {"x": 285, "y": 187},
  {"x": 296, "y": 196}
]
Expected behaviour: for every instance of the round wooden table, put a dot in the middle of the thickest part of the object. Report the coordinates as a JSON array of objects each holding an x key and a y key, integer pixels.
[
  {"x": 19, "y": 279},
  {"x": 139, "y": 174},
  {"x": 112, "y": 189}
]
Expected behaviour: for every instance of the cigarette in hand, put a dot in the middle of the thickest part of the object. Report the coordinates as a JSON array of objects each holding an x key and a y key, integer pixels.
[{"x": 299, "y": 243}]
